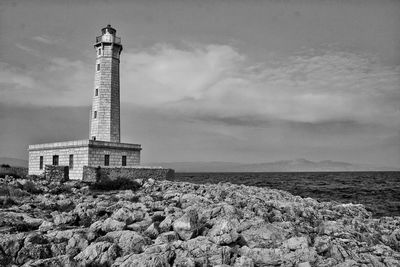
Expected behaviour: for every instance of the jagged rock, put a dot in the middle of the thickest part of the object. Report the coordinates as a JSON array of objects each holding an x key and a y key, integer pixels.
[
  {"x": 263, "y": 256},
  {"x": 128, "y": 216},
  {"x": 59, "y": 261},
  {"x": 295, "y": 243},
  {"x": 98, "y": 254},
  {"x": 244, "y": 261},
  {"x": 166, "y": 237},
  {"x": 45, "y": 226},
  {"x": 35, "y": 247},
  {"x": 263, "y": 236},
  {"x": 111, "y": 225},
  {"x": 202, "y": 252},
  {"x": 166, "y": 224},
  {"x": 223, "y": 232},
  {"x": 9, "y": 247},
  {"x": 140, "y": 226},
  {"x": 188, "y": 225},
  {"x": 161, "y": 259},
  {"x": 64, "y": 218},
  {"x": 152, "y": 231},
  {"x": 128, "y": 241}
]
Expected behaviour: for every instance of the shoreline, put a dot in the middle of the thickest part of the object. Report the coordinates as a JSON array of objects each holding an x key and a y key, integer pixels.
[{"x": 173, "y": 223}]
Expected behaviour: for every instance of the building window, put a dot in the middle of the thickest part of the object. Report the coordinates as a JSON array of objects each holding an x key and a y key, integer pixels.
[
  {"x": 94, "y": 138},
  {"x": 55, "y": 160},
  {"x": 98, "y": 67},
  {"x": 106, "y": 160},
  {"x": 123, "y": 160},
  {"x": 99, "y": 51},
  {"x": 71, "y": 162},
  {"x": 95, "y": 114},
  {"x": 96, "y": 93},
  {"x": 41, "y": 163}
]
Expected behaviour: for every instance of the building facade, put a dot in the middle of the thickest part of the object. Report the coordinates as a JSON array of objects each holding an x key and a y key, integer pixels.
[{"x": 104, "y": 147}]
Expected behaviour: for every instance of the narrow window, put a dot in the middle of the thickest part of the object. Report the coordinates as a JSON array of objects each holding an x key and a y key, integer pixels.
[
  {"x": 123, "y": 160},
  {"x": 99, "y": 51},
  {"x": 98, "y": 67},
  {"x": 41, "y": 163},
  {"x": 94, "y": 138},
  {"x": 96, "y": 93},
  {"x": 95, "y": 115},
  {"x": 55, "y": 160},
  {"x": 71, "y": 162},
  {"x": 106, "y": 160}
]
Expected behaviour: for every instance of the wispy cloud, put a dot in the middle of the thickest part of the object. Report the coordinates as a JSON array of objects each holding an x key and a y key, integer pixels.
[{"x": 44, "y": 39}]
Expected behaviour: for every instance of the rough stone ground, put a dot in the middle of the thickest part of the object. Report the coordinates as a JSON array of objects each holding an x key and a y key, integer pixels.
[{"x": 167, "y": 223}]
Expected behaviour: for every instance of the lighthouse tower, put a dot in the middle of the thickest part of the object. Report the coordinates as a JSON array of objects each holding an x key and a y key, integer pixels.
[{"x": 105, "y": 112}]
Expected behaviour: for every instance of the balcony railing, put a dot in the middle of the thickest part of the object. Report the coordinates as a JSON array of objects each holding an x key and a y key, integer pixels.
[{"x": 117, "y": 40}]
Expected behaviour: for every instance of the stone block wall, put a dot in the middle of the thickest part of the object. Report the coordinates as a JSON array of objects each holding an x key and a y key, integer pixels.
[
  {"x": 16, "y": 171},
  {"x": 85, "y": 153},
  {"x": 79, "y": 149},
  {"x": 97, "y": 154},
  {"x": 56, "y": 173},
  {"x": 93, "y": 174}
]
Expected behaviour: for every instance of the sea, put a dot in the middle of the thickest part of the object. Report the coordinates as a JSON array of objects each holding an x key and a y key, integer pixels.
[{"x": 379, "y": 192}]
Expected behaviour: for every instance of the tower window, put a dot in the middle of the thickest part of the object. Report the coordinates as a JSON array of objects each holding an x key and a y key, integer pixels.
[
  {"x": 99, "y": 51},
  {"x": 94, "y": 138},
  {"x": 98, "y": 67},
  {"x": 95, "y": 114},
  {"x": 123, "y": 160},
  {"x": 71, "y": 162},
  {"x": 96, "y": 92},
  {"x": 55, "y": 160},
  {"x": 41, "y": 163},
  {"x": 106, "y": 160}
]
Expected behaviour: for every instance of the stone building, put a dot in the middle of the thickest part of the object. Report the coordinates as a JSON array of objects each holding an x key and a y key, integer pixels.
[{"x": 104, "y": 147}]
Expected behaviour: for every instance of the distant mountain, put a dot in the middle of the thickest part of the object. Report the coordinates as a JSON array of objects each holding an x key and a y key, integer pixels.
[
  {"x": 297, "y": 165},
  {"x": 14, "y": 162}
]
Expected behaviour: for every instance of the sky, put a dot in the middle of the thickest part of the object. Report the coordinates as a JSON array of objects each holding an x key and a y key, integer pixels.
[{"x": 237, "y": 81}]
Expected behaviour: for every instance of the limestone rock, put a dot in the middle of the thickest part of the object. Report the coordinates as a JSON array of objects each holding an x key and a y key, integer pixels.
[
  {"x": 188, "y": 225},
  {"x": 223, "y": 232},
  {"x": 110, "y": 225},
  {"x": 128, "y": 241},
  {"x": 98, "y": 254}
]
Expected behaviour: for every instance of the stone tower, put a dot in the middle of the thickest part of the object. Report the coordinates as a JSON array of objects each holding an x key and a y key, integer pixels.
[{"x": 105, "y": 113}]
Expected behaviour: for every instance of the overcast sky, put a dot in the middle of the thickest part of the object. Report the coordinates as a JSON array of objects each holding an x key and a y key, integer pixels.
[{"x": 243, "y": 81}]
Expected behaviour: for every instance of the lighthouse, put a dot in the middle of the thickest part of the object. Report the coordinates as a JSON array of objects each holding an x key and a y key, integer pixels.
[
  {"x": 105, "y": 113},
  {"x": 103, "y": 148}
]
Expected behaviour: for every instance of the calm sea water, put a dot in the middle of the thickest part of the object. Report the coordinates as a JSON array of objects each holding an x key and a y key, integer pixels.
[{"x": 378, "y": 191}]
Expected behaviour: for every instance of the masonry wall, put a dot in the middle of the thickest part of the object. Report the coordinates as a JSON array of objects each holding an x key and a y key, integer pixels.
[
  {"x": 97, "y": 155},
  {"x": 93, "y": 174},
  {"x": 80, "y": 160}
]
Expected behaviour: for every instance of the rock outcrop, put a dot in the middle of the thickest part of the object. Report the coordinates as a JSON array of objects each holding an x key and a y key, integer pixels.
[{"x": 166, "y": 223}]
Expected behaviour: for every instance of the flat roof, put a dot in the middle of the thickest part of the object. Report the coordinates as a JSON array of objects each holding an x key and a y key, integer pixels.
[{"x": 84, "y": 143}]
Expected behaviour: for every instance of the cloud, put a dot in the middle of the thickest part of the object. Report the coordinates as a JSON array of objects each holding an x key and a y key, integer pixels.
[
  {"x": 44, "y": 39},
  {"x": 217, "y": 82}
]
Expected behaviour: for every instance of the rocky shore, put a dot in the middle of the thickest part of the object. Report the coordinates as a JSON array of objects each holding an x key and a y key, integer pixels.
[{"x": 164, "y": 223}]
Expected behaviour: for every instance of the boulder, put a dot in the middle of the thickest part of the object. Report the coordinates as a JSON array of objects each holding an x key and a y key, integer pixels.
[
  {"x": 111, "y": 225},
  {"x": 128, "y": 241},
  {"x": 59, "y": 261},
  {"x": 223, "y": 232},
  {"x": 166, "y": 237},
  {"x": 187, "y": 226},
  {"x": 263, "y": 236},
  {"x": 127, "y": 216},
  {"x": 98, "y": 254},
  {"x": 202, "y": 252}
]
